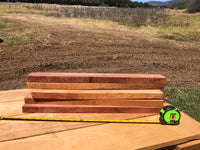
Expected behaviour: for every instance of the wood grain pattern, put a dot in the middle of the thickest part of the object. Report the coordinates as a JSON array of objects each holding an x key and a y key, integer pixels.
[
  {"x": 118, "y": 136},
  {"x": 11, "y": 107},
  {"x": 93, "y": 86},
  {"x": 44, "y": 108},
  {"x": 11, "y": 95},
  {"x": 97, "y": 94},
  {"x": 96, "y": 78},
  {"x": 156, "y": 103},
  {"x": 12, "y": 130}
]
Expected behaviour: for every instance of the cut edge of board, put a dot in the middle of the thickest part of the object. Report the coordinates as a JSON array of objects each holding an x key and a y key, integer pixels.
[{"x": 191, "y": 145}]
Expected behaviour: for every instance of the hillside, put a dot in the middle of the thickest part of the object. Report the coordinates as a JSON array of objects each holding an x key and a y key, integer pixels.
[{"x": 57, "y": 38}]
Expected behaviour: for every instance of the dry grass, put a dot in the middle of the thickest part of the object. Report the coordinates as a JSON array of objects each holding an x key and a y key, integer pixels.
[
  {"x": 182, "y": 34},
  {"x": 143, "y": 33},
  {"x": 137, "y": 16}
]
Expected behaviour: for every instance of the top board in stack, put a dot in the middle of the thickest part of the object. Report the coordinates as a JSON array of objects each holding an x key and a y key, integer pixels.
[{"x": 94, "y": 93}]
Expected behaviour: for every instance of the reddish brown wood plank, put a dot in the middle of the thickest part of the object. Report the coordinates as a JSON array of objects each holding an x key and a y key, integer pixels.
[
  {"x": 96, "y": 78},
  {"x": 93, "y": 86},
  {"x": 44, "y": 108},
  {"x": 155, "y": 103},
  {"x": 97, "y": 94}
]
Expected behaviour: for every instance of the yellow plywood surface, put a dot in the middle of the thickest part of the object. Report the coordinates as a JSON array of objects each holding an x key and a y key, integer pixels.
[
  {"x": 55, "y": 135},
  {"x": 24, "y": 129},
  {"x": 11, "y": 108},
  {"x": 112, "y": 136},
  {"x": 13, "y": 95}
]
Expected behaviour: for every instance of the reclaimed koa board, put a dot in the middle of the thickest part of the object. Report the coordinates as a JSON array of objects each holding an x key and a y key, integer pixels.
[
  {"x": 133, "y": 81},
  {"x": 94, "y": 93},
  {"x": 93, "y": 86},
  {"x": 97, "y": 94},
  {"x": 108, "y": 102},
  {"x": 43, "y": 108}
]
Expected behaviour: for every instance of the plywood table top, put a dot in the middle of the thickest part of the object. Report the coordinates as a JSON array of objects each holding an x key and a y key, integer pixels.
[{"x": 78, "y": 135}]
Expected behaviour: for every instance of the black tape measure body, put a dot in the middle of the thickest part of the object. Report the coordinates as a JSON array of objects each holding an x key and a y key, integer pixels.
[{"x": 170, "y": 115}]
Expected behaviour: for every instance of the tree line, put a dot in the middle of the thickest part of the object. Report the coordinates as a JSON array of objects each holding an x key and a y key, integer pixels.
[
  {"x": 110, "y": 3},
  {"x": 192, "y": 6}
]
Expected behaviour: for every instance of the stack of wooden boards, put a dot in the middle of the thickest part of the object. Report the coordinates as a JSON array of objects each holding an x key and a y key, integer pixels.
[{"x": 94, "y": 93}]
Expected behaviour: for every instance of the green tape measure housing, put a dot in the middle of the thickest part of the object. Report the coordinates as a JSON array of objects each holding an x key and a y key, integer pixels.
[{"x": 170, "y": 115}]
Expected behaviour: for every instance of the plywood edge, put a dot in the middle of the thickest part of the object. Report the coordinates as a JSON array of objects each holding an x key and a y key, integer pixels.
[{"x": 191, "y": 145}]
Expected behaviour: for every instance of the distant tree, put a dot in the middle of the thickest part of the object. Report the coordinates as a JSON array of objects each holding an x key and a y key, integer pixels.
[
  {"x": 146, "y": 5},
  {"x": 115, "y": 3},
  {"x": 193, "y": 6},
  {"x": 181, "y": 5}
]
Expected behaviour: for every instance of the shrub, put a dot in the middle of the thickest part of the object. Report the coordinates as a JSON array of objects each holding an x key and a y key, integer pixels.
[{"x": 193, "y": 6}]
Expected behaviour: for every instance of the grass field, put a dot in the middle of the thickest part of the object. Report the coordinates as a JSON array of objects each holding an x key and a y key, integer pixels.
[
  {"x": 186, "y": 99},
  {"x": 37, "y": 40}
]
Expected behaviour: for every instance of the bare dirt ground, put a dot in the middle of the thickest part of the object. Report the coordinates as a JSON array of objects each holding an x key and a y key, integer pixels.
[{"x": 72, "y": 46}]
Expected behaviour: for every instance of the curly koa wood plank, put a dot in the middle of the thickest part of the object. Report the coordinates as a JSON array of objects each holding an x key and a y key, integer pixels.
[
  {"x": 156, "y": 103},
  {"x": 97, "y": 94},
  {"x": 43, "y": 108},
  {"x": 140, "y": 80},
  {"x": 93, "y": 86}
]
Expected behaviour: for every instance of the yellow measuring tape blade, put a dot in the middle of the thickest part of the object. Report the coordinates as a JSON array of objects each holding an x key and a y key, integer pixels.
[{"x": 80, "y": 120}]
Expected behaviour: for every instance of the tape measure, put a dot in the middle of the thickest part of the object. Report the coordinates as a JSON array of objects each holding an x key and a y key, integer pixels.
[{"x": 169, "y": 115}]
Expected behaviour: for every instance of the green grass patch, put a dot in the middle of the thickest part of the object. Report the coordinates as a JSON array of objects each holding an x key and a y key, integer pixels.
[
  {"x": 181, "y": 5},
  {"x": 186, "y": 99},
  {"x": 13, "y": 33},
  {"x": 2, "y": 26},
  {"x": 134, "y": 25},
  {"x": 186, "y": 29},
  {"x": 7, "y": 33},
  {"x": 180, "y": 34}
]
